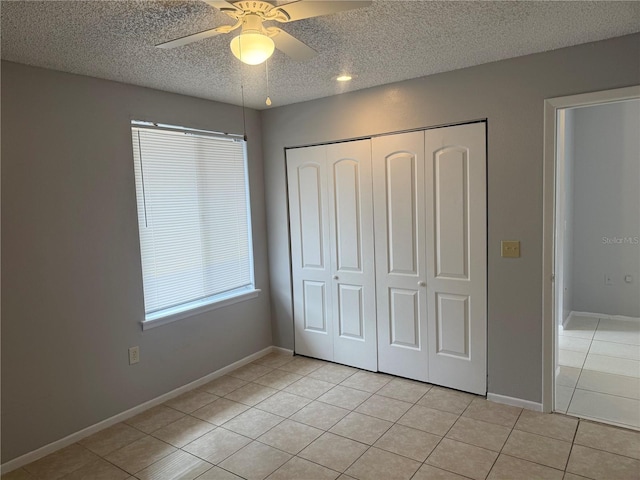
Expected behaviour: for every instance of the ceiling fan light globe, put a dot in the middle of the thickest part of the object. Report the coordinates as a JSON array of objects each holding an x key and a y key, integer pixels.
[{"x": 252, "y": 48}]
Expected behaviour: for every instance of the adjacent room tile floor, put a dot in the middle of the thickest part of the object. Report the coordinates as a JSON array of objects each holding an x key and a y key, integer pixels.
[
  {"x": 294, "y": 418},
  {"x": 599, "y": 370}
]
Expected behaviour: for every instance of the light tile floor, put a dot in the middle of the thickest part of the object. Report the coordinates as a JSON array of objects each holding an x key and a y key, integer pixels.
[
  {"x": 285, "y": 417},
  {"x": 599, "y": 370}
]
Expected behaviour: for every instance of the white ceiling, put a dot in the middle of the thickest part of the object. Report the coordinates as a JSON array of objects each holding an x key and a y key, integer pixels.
[{"x": 386, "y": 42}]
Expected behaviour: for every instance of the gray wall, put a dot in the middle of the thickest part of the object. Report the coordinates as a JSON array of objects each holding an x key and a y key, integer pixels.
[
  {"x": 510, "y": 95},
  {"x": 607, "y": 206},
  {"x": 72, "y": 293}
]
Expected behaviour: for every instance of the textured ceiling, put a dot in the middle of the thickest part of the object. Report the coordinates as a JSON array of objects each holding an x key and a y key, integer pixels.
[{"x": 386, "y": 42}]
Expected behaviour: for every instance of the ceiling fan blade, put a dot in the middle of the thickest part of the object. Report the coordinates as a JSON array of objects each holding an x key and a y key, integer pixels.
[
  {"x": 222, "y": 5},
  {"x": 290, "y": 45},
  {"x": 178, "y": 42},
  {"x": 308, "y": 9}
]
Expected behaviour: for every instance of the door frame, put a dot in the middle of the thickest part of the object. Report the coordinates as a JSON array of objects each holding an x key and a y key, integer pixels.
[{"x": 553, "y": 116}]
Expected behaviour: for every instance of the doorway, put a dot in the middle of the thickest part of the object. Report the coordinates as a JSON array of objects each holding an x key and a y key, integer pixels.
[{"x": 592, "y": 257}]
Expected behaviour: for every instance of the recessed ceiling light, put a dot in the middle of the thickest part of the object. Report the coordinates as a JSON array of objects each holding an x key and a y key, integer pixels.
[{"x": 344, "y": 78}]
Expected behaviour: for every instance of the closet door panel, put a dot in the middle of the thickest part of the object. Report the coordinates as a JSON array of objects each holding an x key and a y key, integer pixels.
[
  {"x": 352, "y": 253},
  {"x": 398, "y": 179},
  {"x": 310, "y": 252},
  {"x": 456, "y": 266}
]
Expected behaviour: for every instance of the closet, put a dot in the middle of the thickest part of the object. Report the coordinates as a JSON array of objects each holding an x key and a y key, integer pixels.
[{"x": 388, "y": 246}]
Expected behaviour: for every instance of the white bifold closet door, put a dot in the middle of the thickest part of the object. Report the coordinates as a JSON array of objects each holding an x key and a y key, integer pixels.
[
  {"x": 331, "y": 220},
  {"x": 430, "y": 234},
  {"x": 401, "y": 263}
]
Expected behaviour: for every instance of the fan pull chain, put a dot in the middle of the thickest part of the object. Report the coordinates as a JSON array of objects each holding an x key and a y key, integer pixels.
[
  {"x": 244, "y": 120},
  {"x": 268, "y": 101}
]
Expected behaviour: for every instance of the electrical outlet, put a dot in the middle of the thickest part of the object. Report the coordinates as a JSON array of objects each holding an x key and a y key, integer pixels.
[
  {"x": 608, "y": 279},
  {"x": 134, "y": 355},
  {"x": 510, "y": 248}
]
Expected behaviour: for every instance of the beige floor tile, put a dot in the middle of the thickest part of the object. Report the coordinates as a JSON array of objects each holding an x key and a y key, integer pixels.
[
  {"x": 405, "y": 390},
  {"x": 299, "y": 469},
  {"x": 573, "y": 343},
  {"x": 378, "y": 464},
  {"x": 481, "y": 409},
  {"x": 333, "y": 373},
  {"x": 290, "y": 436},
  {"x": 320, "y": 415},
  {"x": 253, "y": 423},
  {"x": 367, "y": 381},
  {"x": 220, "y": 411},
  {"x": 223, "y": 386},
  {"x": 334, "y": 452},
  {"x": 97, "y": 470},
  {"x": 344, "y": 397},
  {"x": 255, "y": 461},
  {"x": 112, "y": 438},
  {"x": 573, "y": 476},
  {"x": 183, "y": 431},
  {"x": 302, "y": 365},
  {"x": 550, "y": 425},
  {"x": 140, "y": 454},
  {"x": 619, "y": 385},
  {"x": 250, "y": 372},
  {"x": 179, "y": 465},
  {"x": 274, "y": 359},
  {"x": 428, "y": 419},
  {"x": 581, "y": 327},
  {"x": 154, "y": 418},
  {"x": 569, "y": 358},
  {"x": 217, "y": 445},
  {"x": 613, "y": 349},
  {"x": 616, "y": 366},
  {"x": 611, "y": 439},
  {"x": 361, "y": 428},
  {"x": 567, "y": 376},
  {"x": 447, "y": 400},
  {"x": 427, "y": 472},
  {"x": 58, "y": 464},
  {"x": 510, "y": 468},
  {"x": 467, "y": 460},
  {"x": 535, "y": 448},
  {"x": 346, "y": 477},
  {"x": 217, "y": 473},
  {"x": 251, "y": 394},
  {"x": 609, "y": 408},
  {"x": 309, "y": 387},
  {"x": 18, "y": 474},
  {"x": 191, "y": 401},
  {"x": 283, "y": 404},
  {"x": 602, "y": 465},
  {"x": 384, "y": 407},
  {"x": 563, "y": 397},
  {"x": 277, "y": 379},
  {"x": 408, "y": 442},
  {"x": 480, "y": 434}
]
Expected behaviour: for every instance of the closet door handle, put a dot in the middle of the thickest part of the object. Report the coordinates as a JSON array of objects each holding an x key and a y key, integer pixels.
[
  {"x": 422, "y": 284},
  {"x": 335, "y": 277}
]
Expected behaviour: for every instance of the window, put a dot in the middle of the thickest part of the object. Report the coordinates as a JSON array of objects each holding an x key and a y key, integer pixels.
[{"x": 194, "y": 221}]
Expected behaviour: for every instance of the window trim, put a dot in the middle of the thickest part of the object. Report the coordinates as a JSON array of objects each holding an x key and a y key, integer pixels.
[
  {"x": 196, "y": 307},
  {"x": 186, "y": 310}
]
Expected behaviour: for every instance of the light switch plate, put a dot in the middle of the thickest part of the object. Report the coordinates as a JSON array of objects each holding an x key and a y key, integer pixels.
[{"x": 511, "y": 248}]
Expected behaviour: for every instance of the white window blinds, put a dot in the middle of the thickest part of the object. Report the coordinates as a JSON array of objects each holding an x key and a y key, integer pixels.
[{"x": 193, "y": 216}]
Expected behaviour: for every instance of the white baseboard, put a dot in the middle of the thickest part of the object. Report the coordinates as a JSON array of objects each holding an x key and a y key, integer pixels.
[
  {"x": 603, "y": 315},
  {"x": 514, "y": 402},
  {"x": 283, "y": 350},
  {"x": 85, "y": 432}
]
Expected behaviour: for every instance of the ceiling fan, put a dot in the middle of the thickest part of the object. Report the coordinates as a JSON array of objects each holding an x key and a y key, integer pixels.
[{"x": 256, "y": 43}]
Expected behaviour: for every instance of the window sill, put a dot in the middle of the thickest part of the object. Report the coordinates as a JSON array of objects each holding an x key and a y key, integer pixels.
[{"x": 162, "y": 318}]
